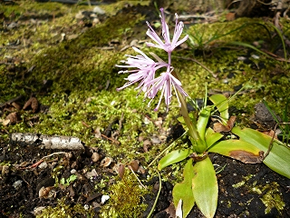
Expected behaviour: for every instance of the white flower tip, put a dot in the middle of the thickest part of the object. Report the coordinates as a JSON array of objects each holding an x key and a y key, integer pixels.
[
  {"x": 149, "y": 44},
  {"x": 178, "y": 213},
  {"x": 136, "y": 49}
]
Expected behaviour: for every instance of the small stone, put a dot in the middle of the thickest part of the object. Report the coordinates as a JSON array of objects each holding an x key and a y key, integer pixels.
[
  {"x": 141, "y": 170},
  {"x": 17, "y": 184},
  {"x": 79, "y": 15},
  {"x": 44, "y": 191},
  {"x": 146, "y": 121},
  {"x": 43, "y": 165},
  {"x": 91, "y": 174},
  {"x": 255, "y": 56},
  {"x": 155, "y": 140},
  {"x": 95, "y": 157},
  {"x": 146, "y": 145},
  {"x": 12, "y": 25},
  {"x": 104, "y": 198},
  {"x": 241, "y": 58},
  {"x": 158, "y": 122},
  {"x": 38, "y": 210},
  {"x": 96, "y": 21},
  {"x": 98, "y": 10},
  {"x": 106, "y": 162}
]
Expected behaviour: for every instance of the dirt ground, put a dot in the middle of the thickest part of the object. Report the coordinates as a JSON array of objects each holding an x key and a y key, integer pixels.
[
  {"x": 76, "y": 182},
  {"x": 21, "y": 184}
]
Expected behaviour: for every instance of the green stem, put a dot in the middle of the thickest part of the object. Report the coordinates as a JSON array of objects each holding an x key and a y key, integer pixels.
[{"x": 198, "y": 144}]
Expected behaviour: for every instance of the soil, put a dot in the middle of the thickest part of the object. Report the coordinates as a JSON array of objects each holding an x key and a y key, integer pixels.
[
  {"x": 34, "y": 178},
  {"x": 257, "y": 183}
]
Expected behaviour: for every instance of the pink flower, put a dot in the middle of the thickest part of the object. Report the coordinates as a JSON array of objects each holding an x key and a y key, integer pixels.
[
  {"x": 144, "y": 72},
  {"x": 145, "y": 68},
  {"x": 164, "y": 83},
  {"x": 167, "y": 45}
]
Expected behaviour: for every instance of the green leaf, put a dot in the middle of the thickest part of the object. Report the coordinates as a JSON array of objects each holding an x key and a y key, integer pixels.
[
  {"x": 190, "y": 123},
  {"x": 239, "y": 150},
  {"x": 205, "y": 187},
  {"x": 173, "y": 157},
  {"x": 212, "y": 137},
  {"x": 247, "y": 45},
  {"x": 203, "y": 121},
  {"x": 222, "y": 104},
  {"x": 183, "y": 190},
  {"x": 279, "y": 156}
]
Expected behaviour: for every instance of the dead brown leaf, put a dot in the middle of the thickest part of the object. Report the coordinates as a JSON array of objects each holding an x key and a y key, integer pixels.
[
  {"x": 271, "y": 133},
  {"x": 11, "y": 118},
  {"x": 32, "y": 103},
  {"x": 247, "y": 157},
  {"x": 218, "y": 127}
]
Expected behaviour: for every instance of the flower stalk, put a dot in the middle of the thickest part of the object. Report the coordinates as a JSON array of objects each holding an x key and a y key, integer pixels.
[{"x": 143, "y": 69}]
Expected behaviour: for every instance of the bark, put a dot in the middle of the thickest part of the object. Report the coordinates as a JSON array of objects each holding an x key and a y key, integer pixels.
[{"x": 47, "y": 142}]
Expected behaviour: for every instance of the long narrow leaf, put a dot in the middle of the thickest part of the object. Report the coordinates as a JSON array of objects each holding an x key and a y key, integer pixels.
[
  {"x": 212, "y": 137},
  {"x": 203, "y": 121},
  {"x": 205, "y": 187},
  {"x": 222, "y": 104},
  {"x": 183, "y": 190},
  {"x": 173, "y": 157},
  {"x": 239, "y": 150},
  {"x": 248, "y": 46},
  {"x": 279, "y": 156}
]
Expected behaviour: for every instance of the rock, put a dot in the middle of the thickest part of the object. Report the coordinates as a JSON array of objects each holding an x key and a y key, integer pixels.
[
  {"x": 98, "y": 10},
  {"x": 95, "y": 157}
]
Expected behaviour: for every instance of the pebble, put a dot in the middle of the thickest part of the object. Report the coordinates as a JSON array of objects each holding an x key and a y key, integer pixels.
[
  {"x": 106, "y": 161},
  {"x": 241, "y": 58},
  {"x": 17, "y": 184},
  {"x": 95, "y": 157},
  {"x": 146, "y": 121},
  {"x": 158, "y": 122},
  {"x": 104, "y": 198},
  {"x": 86, "y": 207},
  {"x": 91, "y": 174},
  {"x": 225, "y": 81},
  {"x": 98, "y": 10},
  {"x": 44, "y": 191},
  {"x": 155, "y": 140},
  {"x": 43, "y": 165},
  {"x": 12, "y": 25},
  {"x": 38, "y": 210},
  {"x": 255, "y": 56}
]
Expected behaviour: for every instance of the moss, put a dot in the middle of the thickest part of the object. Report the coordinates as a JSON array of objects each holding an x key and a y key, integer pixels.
[
  {"x": 112, "y": 8},
  {"x": 270, "y": 194},
  {"x": 125, "y": 198},
  {"x": 63, "y": 210},
  {"x": 79, "y": 69}
]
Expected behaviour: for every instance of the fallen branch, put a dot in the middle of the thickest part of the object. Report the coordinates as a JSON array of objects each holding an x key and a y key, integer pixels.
[
  {"x": 11, "y": 101},
  {"x": 47, "y": 142}
]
